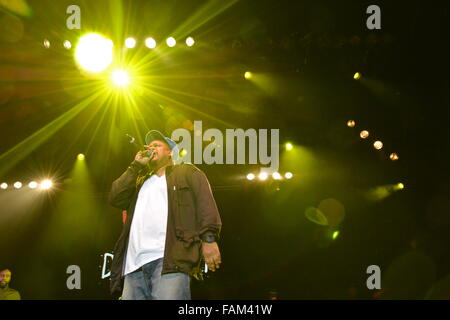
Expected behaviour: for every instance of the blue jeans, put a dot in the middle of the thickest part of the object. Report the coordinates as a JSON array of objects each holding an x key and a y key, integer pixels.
[{"x": 148, "y": 284}]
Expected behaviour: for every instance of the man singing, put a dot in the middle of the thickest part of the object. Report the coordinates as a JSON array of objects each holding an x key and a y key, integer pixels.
[{"x": 172, "y": 222}]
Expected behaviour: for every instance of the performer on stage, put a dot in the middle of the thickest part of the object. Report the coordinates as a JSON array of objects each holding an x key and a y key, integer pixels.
[
  {"x": 6, "y": 293},
  {"x": 172, "y": 223}
]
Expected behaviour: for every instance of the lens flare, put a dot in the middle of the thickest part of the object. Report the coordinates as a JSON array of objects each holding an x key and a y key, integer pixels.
[{"x": 94, "y": 53}]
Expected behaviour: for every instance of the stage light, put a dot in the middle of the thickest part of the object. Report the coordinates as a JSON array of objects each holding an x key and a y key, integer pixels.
[
  {"x": 190, "y": 41},
  {"x": 248, "y": 75},
  {"x": 288, "y": 175},
  {"x": 393, "y": 156},
  {"x": 33, "y": 185},
  {"x": 364, "y": 134},
  {"x": 335, "y": 235},
  {"x": 171, "y": 42},
  {"x": 120, "y": 78},
  {"x": 130, "y": 43},
  {"x": 183, "y": 152},
  {"x": 46, "y": 43},
  {"x": 67, "y": 44},
  {"x": 18, "y": 185},
  {"x": 276, "y": 176},
  {"x": 94, "y": 53},
  {"x": 150, "y": 43},
  {"x": 80, "y": 156},
  {"x": 263, "y": 176},
  {"x": 357, "y": 76},
  {"x": 289, "y": 146},
  {"x": 250, "y": 176},
  {"x": 378, "y": 145},
  {"x": 4, "y": 185},
  {"x": 400, "y": 186},
  {"x": 351, "y": 123},
  {"x": 46, "y": 184}
]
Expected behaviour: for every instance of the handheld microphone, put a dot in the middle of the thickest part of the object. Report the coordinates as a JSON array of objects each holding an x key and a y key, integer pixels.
[{"x": 132, "y": 140}]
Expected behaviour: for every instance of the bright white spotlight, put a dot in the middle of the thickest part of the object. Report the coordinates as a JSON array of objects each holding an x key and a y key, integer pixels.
[
  {"x": 150, "y": 43},
  {"x": 120, "y": 78},
  {"x": 94, "y": 53},
  {"x": 18, "y": 185},
  {"x": 378, "y": 145},
  {"x": 276, "y": 176},
  {"x": 46, "y": 184},
  {"x": 67, "y": 44},
  {"x": 171, "y": 42},
  {"x": 190, "y": 41},
  {"x": 130, "y": 43},
  {"x": 288, "y": 175},
  {"x": 351, "y": 123},
  {"x": 262, "y": 176},
  {"x": 250, "y": 176},
  {"x": 364, "y": 134},
  {"x": 46, "y": 44},
  {"x": 4, "y": 185},
  {"x": 33, "y": 185}
]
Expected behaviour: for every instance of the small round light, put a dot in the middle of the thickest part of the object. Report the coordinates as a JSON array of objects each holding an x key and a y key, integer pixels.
[
  {"x": 120, "y": 78},
  {"x": 67, "y": 44},
  {"x": 46, "y": 184},
  {"x": 378, "y": 145},
  {"x": 248, "y": 75},
  {"x": 357, "y": 76},
  {"x": 33, "y": 185},
  {"x": 171, "y": 42},
  {"x": 190, "y": 41},
  {"x": 393, "y": 156},
  {"x": 351, "y": 123},
  {"x": 46, "y": 43},
  {"x": 150, "y": 43},
  {"x": 18, "y": 185},
  {"x": 288, "y": 175},
  {"x": 263, "y": 176},
  {"x": 250, "y": 176},
  {"x": 81, "y": 156},
  {"x": 400, "y": 186},
  {"x": 183, "y": 152},
  {"x": 276, "y": 176},
  {"x": 130, "y": 43},
  {"x": 4, "y": 185},
  {"x": 289, "y": 146},
  {"x": 364, "y": 134}
]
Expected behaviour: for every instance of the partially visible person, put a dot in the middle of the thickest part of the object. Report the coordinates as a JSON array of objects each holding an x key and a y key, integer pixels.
[{"x": 6, "y": 293}]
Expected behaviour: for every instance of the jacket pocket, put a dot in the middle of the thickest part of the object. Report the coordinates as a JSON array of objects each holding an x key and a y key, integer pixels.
[
  {"x": 184, "y": 194},
  {"x": 186, "y": 249}
]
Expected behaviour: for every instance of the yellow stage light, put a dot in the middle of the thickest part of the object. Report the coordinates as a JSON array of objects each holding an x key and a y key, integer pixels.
[
  {"x": 400, "y": 186},
  {"x": 150, "y": 43},
  {"x": 67, "y": 44},
  {"x": 364, "y": 134},
  {"x": 94, "y": 53},
  {"x": 183, "y": 152},
  {"x": 46, "y": 43},
  {"x": 250, "y": 176},
  {"x": 393, "y": 156},
  {"x": 288, "y": 175},
  {"x": 46, "y": 184},
  {"x": 289, "y": 146},
  {"x": 276, "y": 176},
  {"x": 378, "y": 145},
  {"x": 357, "y": 76},
  {"x": 335, "y": 235},
  {"x": 81, "y": 156},
  {"x": 351, "y": 123},
  {"x": 248, "y": 75},
  {"x": 171, "y": 42},
  {"x": 18, "y": 185},
  {"x": 4, "y": 185},
  {"x": 190, "y": 41},
  {"x": 33, "y": 185},
  {"x": 120, "y": 78},
  {"x": 262, "y": 176},
  {"x": 130, "y": 43}
]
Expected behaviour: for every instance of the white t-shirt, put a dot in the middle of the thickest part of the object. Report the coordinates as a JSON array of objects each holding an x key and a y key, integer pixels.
[{"x": 148, "y": 229}]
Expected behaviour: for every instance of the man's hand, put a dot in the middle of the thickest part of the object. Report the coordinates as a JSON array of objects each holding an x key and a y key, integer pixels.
[
  {"x": 211, "y": 254},
  {"x": 142, "y": 157}
]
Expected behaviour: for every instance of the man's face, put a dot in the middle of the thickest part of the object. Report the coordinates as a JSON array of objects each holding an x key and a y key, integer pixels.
[
  {"x": 5, "y": 278},
  {"x": 161, "y": 151}
]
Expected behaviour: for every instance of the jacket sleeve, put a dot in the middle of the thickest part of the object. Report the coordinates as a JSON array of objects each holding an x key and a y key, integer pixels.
[
  {"x": 123, "y": 187},
  {"x": 208, "y": 218}
]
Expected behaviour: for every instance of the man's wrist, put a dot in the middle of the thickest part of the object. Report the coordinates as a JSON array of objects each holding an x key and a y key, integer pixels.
[{"x": 208, "y": 238}]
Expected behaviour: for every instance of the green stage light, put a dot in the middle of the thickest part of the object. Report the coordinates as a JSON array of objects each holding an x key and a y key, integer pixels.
[{"x": 94, "y": 53}]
